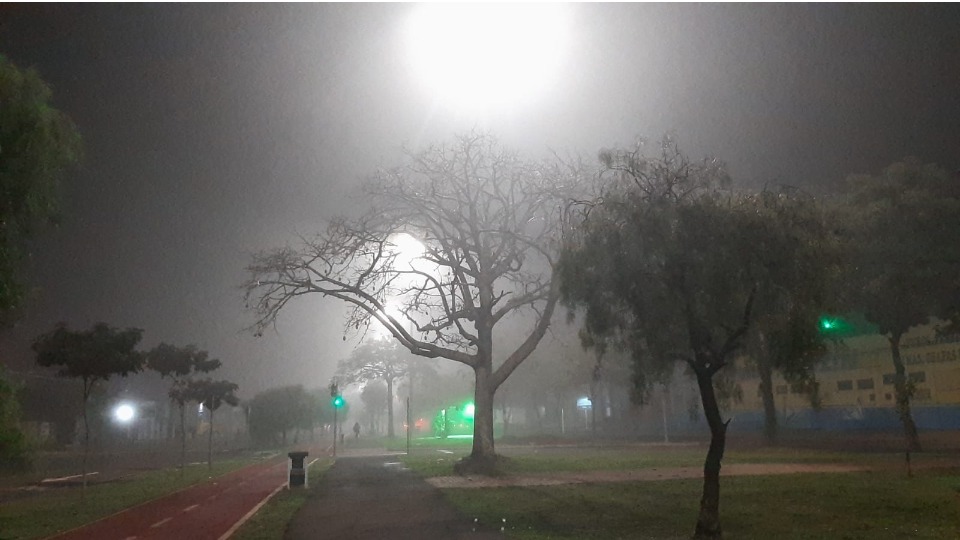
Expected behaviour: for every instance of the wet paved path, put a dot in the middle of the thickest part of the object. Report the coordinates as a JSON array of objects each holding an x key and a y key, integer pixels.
[{"x": 375, "y": 498}]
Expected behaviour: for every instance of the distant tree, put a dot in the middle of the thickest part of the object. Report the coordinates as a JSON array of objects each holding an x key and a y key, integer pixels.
[
  {"x": 375, "y": 400},
  {"x": 178, "y": 363},
  {"x": 376, "y": 360},
  {"x": 212, "y": 395},
  {"x": 14, "y": 451},
  {"x": 92, "y": 356},
  {"x": 795, "y": 274},
  {"x": 277, "y": 411},
  {"x": 37, "y": 143},
  {"x": 489, "y": 225},
  {"x": 901, "y": 233},
  {"x": 667, "y": 262}
]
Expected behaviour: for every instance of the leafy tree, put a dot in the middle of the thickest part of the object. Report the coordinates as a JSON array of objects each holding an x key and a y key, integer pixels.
[
  {"x": 212, "y": 395},
  {"x": 374, "y": 397},
  {"x": 488, "y": 223},
  {"x": 795, "y": 275},
  {"x": 92, "y": 356},
  {"x": 376, "y": 360},
  {"x": 279, "y": 410},
  {"x": 14, "y": 451},
  {"x": 901, "y": 233},
  {"x": 668, "y": 263},
  {"x": 178, "y": 363},
  {"x": 37, "y": 143}
]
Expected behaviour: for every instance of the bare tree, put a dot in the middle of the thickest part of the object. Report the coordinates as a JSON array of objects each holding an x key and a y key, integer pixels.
[
  {"x": 489, "y": 225},
  {"x": 376, "y": 360}
]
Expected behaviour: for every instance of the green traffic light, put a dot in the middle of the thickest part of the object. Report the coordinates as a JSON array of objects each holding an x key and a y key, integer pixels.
[{"x": 338, "y": 402}]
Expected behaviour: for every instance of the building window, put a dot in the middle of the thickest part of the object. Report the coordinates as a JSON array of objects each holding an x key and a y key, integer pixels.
[
  {"x": 889, "y": 378},
  {"x": 887, "y": 396},
  {"x": 845, "y": 385},
  {"x": 918, "y": 377},
  {"x": 864, "y": 384}
]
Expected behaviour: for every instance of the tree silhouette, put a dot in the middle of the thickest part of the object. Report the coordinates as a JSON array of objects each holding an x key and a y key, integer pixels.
[
  {"x": 178, "y": 363},
  {"x": 489, "y": 225},
  {"x": 92, "y": 356},
  {"x": 212, "y": 395}
]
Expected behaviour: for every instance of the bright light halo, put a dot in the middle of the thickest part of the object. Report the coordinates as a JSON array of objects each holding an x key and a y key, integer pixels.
[
  {"x": 486, "y": 55},
  {"x": 124, "y": 413}
]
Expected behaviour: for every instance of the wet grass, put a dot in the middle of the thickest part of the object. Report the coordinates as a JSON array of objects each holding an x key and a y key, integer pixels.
[
  {"x": 54, "y": 510},
  {"x": 873, "y": 505},
  {"x": 577, "y": 459},
  {"x": 270, "y": 522}
]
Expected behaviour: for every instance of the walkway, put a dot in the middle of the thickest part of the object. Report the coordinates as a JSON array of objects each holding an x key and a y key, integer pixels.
[{"x": 376, "y": 497}]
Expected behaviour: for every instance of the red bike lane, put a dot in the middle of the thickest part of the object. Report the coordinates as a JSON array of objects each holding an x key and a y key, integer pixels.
[{"x": 207, "y": 511}]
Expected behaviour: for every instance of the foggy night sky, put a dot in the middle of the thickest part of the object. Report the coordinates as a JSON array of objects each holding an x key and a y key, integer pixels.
[{"x": 213, "y": 131}]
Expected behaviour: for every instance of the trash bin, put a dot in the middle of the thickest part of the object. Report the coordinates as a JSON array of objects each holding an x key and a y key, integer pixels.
[{"x": 297, "y": 476}]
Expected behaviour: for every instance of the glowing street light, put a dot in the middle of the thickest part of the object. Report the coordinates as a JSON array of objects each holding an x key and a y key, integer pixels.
[
  {"x": 124, "y": 413},
  {"x": 475, "y": 56}
]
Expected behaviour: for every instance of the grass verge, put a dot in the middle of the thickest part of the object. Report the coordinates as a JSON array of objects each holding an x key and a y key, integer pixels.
[
  {"x": 535, "y": 461},
  {"x": 270, "y": 522},
  {"x": 60, "y": 509},
  {"x": 873, "y": 505}
]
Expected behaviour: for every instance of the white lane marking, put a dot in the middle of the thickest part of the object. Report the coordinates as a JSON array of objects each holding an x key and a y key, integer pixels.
[
  {"x": 130, "y": 538},
  {"x": 160, "y": 523},
  {"x": 445, "y": 451},
  {"x": 64, "y": 478},
  {"x": 250, "y": 514},
  {"x": 191, "y": 507}
]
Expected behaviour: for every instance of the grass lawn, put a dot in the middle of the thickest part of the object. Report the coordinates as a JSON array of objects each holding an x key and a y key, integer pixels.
[
  {"x": 429, "y": 461},
  {"x": 270, "y": 522},
  {"x": 59, "y": 509},
  {"x": 873, "y": 505}
]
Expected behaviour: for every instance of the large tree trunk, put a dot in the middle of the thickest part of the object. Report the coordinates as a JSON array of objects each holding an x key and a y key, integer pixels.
[
  {"x": 708, "y": 522},
  {"x": 770, "y": 427},
  {"x": 483, "y": 457},
  {"x": 390, "y": 432},
  {"x": 903, "y": 395}
]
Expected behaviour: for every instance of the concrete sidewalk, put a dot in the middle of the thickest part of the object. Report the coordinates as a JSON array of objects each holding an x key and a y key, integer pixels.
[{"x": 375, "y": 498}]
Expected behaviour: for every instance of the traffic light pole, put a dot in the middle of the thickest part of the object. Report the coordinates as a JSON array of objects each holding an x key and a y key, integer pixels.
[{"x": 335, "y": 431}]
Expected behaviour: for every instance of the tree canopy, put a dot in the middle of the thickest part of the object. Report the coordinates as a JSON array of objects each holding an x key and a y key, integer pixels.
[
  {"x": 277, "y": 411},
  {"x": 901, "y": 237},
  {"x": 176, "y": 362},
  {"x": 37, "y": 144},
  {"x": 91, "y": 355}
]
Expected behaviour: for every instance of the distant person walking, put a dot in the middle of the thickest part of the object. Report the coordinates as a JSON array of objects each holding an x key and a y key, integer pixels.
[{"x": 356, "y": 430}]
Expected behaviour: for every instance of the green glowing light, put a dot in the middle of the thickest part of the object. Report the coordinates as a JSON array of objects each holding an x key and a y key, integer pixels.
[
  {"x": 338, "y": 402},
  {"x": 468, "y": 410}
]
